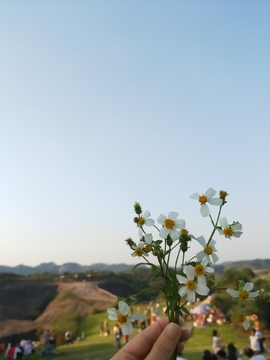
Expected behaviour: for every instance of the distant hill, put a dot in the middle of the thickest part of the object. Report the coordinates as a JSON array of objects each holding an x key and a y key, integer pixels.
[
  {"x": 60, "y": 269},
  {"x": 255, "y": 265}
]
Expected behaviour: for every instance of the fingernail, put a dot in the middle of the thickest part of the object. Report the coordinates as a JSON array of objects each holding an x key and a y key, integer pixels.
[{"x": 173, "y": 330}]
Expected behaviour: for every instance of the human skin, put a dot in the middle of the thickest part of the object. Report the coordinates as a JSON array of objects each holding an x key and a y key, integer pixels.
[{"x": 156, "y": 342}]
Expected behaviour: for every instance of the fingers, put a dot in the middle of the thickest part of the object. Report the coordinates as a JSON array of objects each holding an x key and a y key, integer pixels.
[
  {"x": 166, "y": 343},
  {"x": 140, "y": 346}
]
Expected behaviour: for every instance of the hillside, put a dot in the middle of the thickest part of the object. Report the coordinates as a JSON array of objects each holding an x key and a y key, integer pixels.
[{"x": 19, "y": 303}]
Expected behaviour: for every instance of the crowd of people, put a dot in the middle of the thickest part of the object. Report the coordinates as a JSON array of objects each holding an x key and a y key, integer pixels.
[
  {"x": 220, "y": 352},
  {"x": 19, "y": 350}
]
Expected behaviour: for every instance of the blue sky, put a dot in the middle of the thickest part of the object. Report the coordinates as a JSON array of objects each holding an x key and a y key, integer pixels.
[{"x": 104, "y": 103}]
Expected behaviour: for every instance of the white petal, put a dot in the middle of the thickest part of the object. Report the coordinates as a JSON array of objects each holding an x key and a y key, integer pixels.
[
  {"x": 127, "y": 328},
  {"x": 237, "y": 234},
  {"x": 220, "y": 232},
  {"x": 183, "y": 291},
  {"x": 179, "y": 224},
  {"x": 141, "y": 245},
  {"x": 201, "y": 289},
  {"x": 148, "y": 238},
  {"x": 202, "y": 280},
  {"x": 191, "y": 296},
  {"x": 210, "y": 193},
  {"x": 190, "y": 271},
  {"x": 112, "y": 317},
  {"x": 224, "y": 222},
  {"x": 137, "y": 317},
  {"x": 173, "y": 215},
  {"x": 140, "y": 232},
  {"x": 133, "y": 254},
  {"x": 236, "y": 227},
  {"x": 215, "y": 201},
  {"x": 201, "y": 255},
  {"x": 254, "y": 293},
  {"x": 202, "y": 241},
  {"x": 204, "y": 263},
  {"x": 174, "y": 234},
  {"x": 248, "y": 286},
  {"x": 246, "y": 324},
  {"x": 161, "y": 219},
  {"x": 149, "y": 222},
  {"x": 181, "y": 279},
  {"x": 164, "y": 232},
  {"x": 214, "y": 257},
  {"x": 233, "y": 293},
  {"x": 146, "y": 214},
  {"x": 205, "y": 211},
  {"x": 208, "y": 269},
  {"x": 212, "y": 242},
  {"x": 195, "y": 196},
  {"x": 123, "y": 308},
  {"x": 112, "y": 311}
]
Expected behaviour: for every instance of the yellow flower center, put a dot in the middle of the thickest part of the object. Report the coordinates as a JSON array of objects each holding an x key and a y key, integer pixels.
[
  {"x": 240, "y": 318},
  {"x": 141, "y": 221},
  {"x": 208, "y": 250},
  {"x": 169, "y": 224},
  {"x": 199, "y": 269},
  {"x": 138, "y": 252},
  {"x": 184, "y": 231},
  {"x": 243, "y": 295},
  {"x": 147, "y": 248},
  {"x": 228, "y": 231},
  {"x": 202, "y": 199},
  {"x": 122, "y": 319},
  {"x": 190, "y": 284}
]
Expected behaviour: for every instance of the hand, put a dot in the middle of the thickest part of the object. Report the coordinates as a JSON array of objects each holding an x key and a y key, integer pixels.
[{"x": 156, "y": 342}]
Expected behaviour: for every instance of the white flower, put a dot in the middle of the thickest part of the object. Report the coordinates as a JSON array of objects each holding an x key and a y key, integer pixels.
[
  {"x": 244, "y": 293},
  {"x": 145, "y": 220},
  {"x": 207, "y": 197},
  {"x": 233, "y": 230},
  {"x": 191, "y": 287},
  {"x": 148, "y": 238},
  {"x": 121, "y": 317},
  {"x": 139, "y": 250},
  {"x": 170, "y": 224},
  {"x": 200, "y": 270},
  {"x": 208, "y": 250}
]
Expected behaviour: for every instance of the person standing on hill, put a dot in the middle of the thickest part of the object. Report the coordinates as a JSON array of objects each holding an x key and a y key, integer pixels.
[
  {"x": 254, "y": 343},
  {"x": 216, "y": 343}
]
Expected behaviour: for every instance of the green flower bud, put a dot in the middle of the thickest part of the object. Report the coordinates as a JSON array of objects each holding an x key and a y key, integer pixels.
[{"x": 137, "y": 208}]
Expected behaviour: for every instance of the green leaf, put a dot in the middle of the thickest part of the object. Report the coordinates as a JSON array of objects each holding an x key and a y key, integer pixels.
[
  {"x": 185, "y": 310},
  {"x": 158, "y": 242},
  {"x": 140, "y": 264}
]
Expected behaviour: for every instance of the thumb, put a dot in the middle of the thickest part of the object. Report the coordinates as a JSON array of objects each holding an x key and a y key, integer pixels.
[{"x": 165, "y": 345}]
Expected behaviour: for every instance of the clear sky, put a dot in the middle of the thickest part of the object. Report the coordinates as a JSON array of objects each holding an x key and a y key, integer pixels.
[{"x": 103, "y": 103}]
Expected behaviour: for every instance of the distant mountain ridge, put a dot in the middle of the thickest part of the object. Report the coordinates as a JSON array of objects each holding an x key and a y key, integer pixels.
[
  {"x": 60, "y": 269},
  {"x": 255, "y": 265}
]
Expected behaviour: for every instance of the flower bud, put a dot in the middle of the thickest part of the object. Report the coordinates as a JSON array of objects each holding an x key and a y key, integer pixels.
[
  {"x": 130, "y": 242},
  {"x": 136, "y": 220},
  {"x": 169, "y": 240},
  {"x": 222, "y": 195},
  {"x": 137, "y": 208}
]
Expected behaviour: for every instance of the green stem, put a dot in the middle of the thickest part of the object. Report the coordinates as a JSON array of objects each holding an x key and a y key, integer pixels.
[
  {"x": 215, "y": 226},
  {"x": 156, "y": 228},
  {"x": 177, "y": 259}
]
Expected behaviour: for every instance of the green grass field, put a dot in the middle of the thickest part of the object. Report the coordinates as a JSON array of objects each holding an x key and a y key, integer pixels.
[{"x": 96, "y": 347}]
